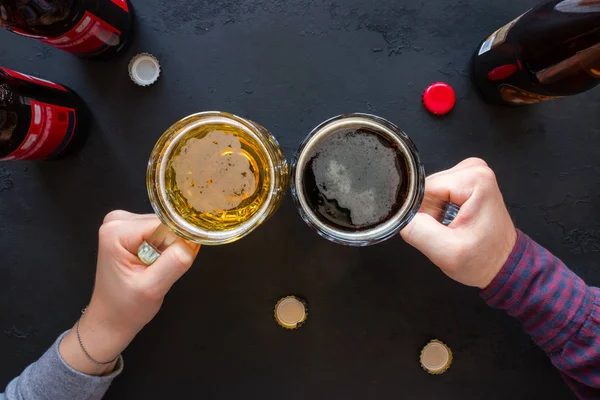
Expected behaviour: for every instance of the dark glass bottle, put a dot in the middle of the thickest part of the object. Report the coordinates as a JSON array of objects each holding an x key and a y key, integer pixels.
[
  {"x": 87, "y": 28},
  {"x": 39, "y": 119},
  {"x": 551, "y": 51}
]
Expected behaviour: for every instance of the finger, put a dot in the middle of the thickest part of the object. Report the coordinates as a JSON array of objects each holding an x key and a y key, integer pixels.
[
  {"x": 171, "y": 265},
  {"x": 121, "y": 215},
  {"x": 470, "y": 162},
  {"x": 430, "y": 237},
  {"x": 130, "y": 234},
  {"x": 467, "y": 163},
  {"x": 458, "y": 186}
]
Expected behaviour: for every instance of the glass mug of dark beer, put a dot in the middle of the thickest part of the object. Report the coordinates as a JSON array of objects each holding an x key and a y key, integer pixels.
[
  {"x": 212, "y": 178},
  {"x": 357, "y": 180}
]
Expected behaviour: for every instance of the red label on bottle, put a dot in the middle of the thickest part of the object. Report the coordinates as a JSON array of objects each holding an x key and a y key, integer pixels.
[
  {"x": 122, "y": 4},
  {"x": 502, "y": 72},
  {"x": 90, "y": 36},
  {"x": 51, "y": 129},
  {"x": 32, "y": 79}
]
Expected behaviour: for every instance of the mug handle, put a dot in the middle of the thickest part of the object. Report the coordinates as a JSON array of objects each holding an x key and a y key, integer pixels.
[
  {"x": 444, "y": 211},
  {"x": 149, "y": 251},
  {"x": 157, "y": 242}
]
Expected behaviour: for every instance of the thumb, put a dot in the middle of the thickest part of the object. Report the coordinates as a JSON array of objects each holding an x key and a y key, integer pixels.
[
  {"x": 429, "y": 236},
  {"x": 175, "y": 261}
]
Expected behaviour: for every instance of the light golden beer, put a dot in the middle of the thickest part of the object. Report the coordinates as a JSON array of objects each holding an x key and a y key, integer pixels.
[
  {"x": 213, "y": 177},
  {"x": 228, "y": 196}
]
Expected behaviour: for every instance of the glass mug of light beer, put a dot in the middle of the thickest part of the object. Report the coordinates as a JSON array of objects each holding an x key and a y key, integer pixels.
[
  {"x": 357, "y": 180},
  {"x": 212, "y": 178}
]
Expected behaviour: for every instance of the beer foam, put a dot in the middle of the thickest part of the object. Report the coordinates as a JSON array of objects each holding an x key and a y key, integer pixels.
[
  {"x": 360, "y": 173},
  {"x": 213, "y": 173}
]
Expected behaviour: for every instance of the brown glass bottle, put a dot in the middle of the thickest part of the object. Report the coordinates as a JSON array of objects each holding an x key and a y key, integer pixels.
[
  {"x": 39, "y": 119},
  {"x": 551, "y": 51},
  {"x": 87, "y": 28}
]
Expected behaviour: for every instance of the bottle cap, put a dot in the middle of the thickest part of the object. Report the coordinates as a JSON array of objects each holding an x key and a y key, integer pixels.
[
  {"x": 436, "y": 357},
  {"x": 144, "y": 69},
  {"x": 439, "y": 98},
  {"x": 291, "y": 312}
]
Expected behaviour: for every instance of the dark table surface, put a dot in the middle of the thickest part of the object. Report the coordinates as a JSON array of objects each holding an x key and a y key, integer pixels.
[{"x": 290, "y": 65}]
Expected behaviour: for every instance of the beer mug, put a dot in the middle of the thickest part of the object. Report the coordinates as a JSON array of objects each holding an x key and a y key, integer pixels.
[
  {"x": 357, "y": 180},
  {"x": 212, "y": 178}
]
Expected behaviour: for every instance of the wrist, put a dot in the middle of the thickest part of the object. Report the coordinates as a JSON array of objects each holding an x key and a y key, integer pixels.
[
  {"x": 503, "y": 258},
  {"x": 102, "y": 339},
  {"x": 104, "y": 319}
]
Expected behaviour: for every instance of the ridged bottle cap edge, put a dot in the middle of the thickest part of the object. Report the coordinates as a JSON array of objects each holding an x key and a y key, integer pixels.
[
  {"x": 442, "y": 369},
  {"x": 287, "y": 325}
]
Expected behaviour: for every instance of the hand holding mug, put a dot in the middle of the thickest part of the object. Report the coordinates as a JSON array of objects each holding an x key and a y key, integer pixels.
[
  {"x": 127, "y": 293},
  {"x": 475, "y": 246}
]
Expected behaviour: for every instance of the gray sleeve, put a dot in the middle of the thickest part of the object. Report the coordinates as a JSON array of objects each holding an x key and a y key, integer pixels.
[{"x": 51, "y": 378}]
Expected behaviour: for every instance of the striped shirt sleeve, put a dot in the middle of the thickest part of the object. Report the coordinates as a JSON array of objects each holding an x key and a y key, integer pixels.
[{"x": 557, "y": 309}]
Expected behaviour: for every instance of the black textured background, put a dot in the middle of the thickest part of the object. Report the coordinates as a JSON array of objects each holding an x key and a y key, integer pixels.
[{"x": 290, "y": 65}]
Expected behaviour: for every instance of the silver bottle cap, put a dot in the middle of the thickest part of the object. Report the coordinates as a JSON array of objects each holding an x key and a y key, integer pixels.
[{"x": 144, "y": 69}]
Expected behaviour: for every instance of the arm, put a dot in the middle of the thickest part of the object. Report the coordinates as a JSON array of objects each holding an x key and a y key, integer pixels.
[
  {"x": 52, "y": 378},
  {"x": 556, "y": 308},
  {"x": 127, "y": 295},
  {"x": 481, "y": 248}
]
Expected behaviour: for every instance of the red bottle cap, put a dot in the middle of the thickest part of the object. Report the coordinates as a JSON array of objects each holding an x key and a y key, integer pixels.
[{"x": 439, "y": 98}]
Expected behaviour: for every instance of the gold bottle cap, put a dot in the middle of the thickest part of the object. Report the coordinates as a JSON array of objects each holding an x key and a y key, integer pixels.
[
  {"x": 436, "y": 357},
  {"x": 291, "y": 312}
]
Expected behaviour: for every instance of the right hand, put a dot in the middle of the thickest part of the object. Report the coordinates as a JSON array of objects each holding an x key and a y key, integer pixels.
[
  {"x": 127, "y": 293},
  {"x": 475, "y": 246}
]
